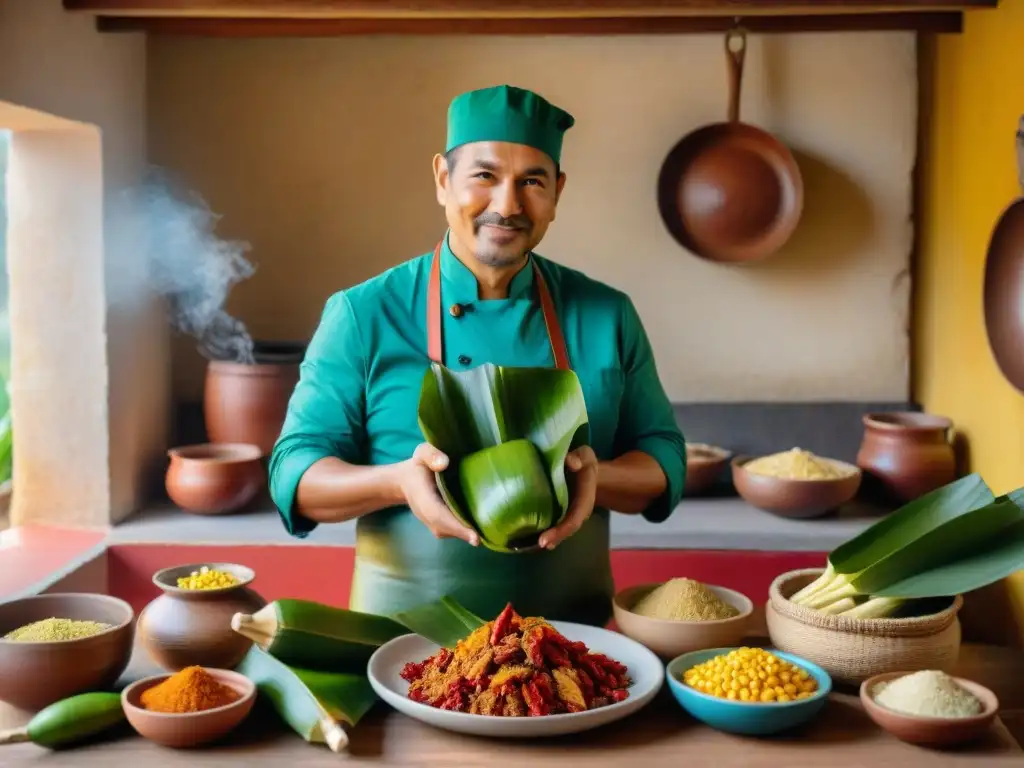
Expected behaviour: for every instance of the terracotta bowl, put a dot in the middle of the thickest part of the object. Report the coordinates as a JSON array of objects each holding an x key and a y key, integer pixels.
[
  {"x": 33, "y": 675},
  {"x": 214, "y": 478},
  {"x": 704, "y": 465},
  {"x": 188, "y": 729},
  {"x": 795, "y": 498},
  {"x": 930, "y": 731},
  {"x": 669, "y": 639}
]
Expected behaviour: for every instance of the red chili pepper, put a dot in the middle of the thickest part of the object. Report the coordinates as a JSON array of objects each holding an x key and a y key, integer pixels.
[
  {"x": 502, "y": 624},
  {"x": 411, "y": 671},
  {"x": 533, "y": 699},
  {"x": 586, "y": 685},
  {"x": 620, "y": 695},
  {"x": 556, "y": 655}
]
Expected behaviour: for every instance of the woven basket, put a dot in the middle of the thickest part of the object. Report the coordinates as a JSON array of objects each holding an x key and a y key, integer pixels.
[{"x": 852, "y": 650}]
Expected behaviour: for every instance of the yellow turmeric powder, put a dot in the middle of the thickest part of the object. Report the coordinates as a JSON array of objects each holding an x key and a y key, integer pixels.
[{"x": 192, "y": 689}]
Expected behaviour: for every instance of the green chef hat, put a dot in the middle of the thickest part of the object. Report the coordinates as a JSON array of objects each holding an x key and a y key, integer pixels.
[{"x": 507, "y": 113}]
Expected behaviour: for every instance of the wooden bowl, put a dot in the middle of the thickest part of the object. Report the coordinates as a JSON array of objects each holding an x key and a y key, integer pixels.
[
  {"x": 852, "y": 650},
  {"x": 930, "y": 731},
  {"x": 34, "y": 675},
  {"x": 704, "y": 465},
  {"x": 214, "y": 478},
  {"x": 795, "y": 498},
  {"x": 188, "y": 729},
  {"x": 669, "y": 639}
]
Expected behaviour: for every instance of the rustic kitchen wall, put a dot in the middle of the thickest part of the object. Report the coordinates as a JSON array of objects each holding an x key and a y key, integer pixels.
[
  {"x": 57, "y": 63},
  {"x": 318, "y": 152}
]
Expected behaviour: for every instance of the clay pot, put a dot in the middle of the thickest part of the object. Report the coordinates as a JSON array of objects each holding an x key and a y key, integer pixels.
[
  {"x": 247, "y": 403},
  {"x": 183, "y": 627},
  {"x": 905, "y": 455},
  {"x": 704, "y": 466},
  {"x": 211, "y": 479}
]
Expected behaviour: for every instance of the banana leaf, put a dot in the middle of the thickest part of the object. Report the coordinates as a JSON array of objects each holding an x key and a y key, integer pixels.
[
  {"x": 950, "y": 541},
  {"x": 990, "y": 547},
  {"x": 316, "y": 705},
  {"x": 443, "y": 621},
  {"x": 910, "y": 522},
  {"x": 506, "y": 432}
]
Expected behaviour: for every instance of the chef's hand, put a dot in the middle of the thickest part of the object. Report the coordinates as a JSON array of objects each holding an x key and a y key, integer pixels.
[
  {"x": 583, "y": 464},
  {"x": 421, "y": 494}
]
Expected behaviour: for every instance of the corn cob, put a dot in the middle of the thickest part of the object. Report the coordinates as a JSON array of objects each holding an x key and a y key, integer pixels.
[
  {"x": 316, "y": 705},
  {"x": 317, "y": 636}
]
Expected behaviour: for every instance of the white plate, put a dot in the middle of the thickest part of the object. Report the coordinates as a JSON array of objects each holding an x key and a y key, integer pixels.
[{"x": 645, "y": 669}]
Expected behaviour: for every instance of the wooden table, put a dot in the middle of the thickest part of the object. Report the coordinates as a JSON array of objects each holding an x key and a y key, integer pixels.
[{"x": 660, "y": 735}]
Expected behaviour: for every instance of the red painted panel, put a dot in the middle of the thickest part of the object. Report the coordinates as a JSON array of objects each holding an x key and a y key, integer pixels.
[
  {"x": 316, "y": 573},
  {"x": 31, "y": 553},
  {"x": 325, "y": 573},
  {"x": 749, "y": 572}
]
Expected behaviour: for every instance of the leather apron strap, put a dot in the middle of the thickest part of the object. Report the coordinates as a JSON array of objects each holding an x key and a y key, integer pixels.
[{"x": 435, "y": 345}]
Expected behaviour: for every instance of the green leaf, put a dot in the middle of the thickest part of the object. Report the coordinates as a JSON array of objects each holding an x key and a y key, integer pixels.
[
  {"x": 991, "y": 551},
  {"x": 466, "y": 413},
  {"x": 971, "y": 532},
  {"x": 443, "y": 621},
  {"x": 313, "y": 703},
  {"x": 909, "y": 523}
]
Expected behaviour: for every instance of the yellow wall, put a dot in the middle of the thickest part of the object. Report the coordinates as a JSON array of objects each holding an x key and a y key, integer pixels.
[{"x": 973, "y": 97}]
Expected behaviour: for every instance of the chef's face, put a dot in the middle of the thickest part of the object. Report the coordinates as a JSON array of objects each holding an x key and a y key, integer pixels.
[{"x": 498, "y": 197}]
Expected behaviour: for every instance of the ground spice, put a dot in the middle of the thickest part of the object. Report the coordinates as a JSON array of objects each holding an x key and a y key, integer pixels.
[
  {"x": 55, "y": 629},
  {"x": 684, "y": 600},
  {"x": 795, "y": 464},
  {"x": 517, "y": 666},
  {"x": 192, "y": 689}
]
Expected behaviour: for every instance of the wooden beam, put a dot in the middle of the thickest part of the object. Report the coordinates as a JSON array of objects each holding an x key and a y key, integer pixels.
[
  {"x": 937, "y": 22},
  {"x": 504, "y": 8}
]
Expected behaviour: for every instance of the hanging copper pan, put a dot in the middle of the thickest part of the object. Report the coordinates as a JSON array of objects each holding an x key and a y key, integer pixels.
[
  {"x": 730, "y": 192},
  {"x": 1004, "y": 284}
]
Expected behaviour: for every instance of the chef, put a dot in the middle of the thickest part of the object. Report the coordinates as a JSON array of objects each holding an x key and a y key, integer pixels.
[{"x": 351, "y": 447}]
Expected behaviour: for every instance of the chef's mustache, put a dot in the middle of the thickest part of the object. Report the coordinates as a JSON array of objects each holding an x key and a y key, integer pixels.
[{"x": 519, "y": 221}]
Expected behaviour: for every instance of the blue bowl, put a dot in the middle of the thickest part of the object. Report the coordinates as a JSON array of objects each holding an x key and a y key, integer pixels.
[{"x": 745, "y": 717}]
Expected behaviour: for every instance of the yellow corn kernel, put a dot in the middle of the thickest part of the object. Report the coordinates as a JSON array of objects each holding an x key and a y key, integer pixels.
[{"x": 790, "y": 689}]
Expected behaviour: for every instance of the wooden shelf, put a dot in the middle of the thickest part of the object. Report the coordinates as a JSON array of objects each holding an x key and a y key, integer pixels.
[{"x": 328, "y": 18}]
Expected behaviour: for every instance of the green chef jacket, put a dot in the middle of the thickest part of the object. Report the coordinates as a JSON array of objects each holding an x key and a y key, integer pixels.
[{"x": 357, "y": 399}]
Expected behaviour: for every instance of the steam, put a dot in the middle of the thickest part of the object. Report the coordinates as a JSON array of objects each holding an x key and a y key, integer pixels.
[{"x": 162, "y": 236}]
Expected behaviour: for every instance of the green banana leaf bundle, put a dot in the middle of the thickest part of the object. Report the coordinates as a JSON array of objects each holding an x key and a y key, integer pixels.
[
  {"x": 956, "y": 539},
  {"x": 506, "y": 432}
]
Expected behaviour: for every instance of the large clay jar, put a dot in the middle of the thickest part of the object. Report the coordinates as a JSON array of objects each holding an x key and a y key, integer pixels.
[
  {"x": 246, "y": 403},
  {"x": 905, "y": 455},
  {"x": 183, "y": 627}
]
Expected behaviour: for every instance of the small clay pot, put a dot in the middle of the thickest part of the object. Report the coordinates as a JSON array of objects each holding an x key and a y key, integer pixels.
[
  {"x": 905, "y": 455},
  {"x": 214, "y": 479},
  {"x": 188, "y": 729},
  {"x": 183, "y": 627},
  {"x": 247, "y": 403},
  {"x": 704, "y": 465}
]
